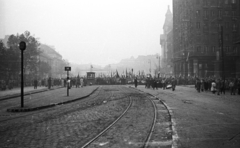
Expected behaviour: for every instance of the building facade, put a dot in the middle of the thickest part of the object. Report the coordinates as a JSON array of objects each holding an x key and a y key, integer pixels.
[
  {"x": 201, "y": 29},
  {"x": 166, "y": 42},
  {"x": 54, "y": 59}
]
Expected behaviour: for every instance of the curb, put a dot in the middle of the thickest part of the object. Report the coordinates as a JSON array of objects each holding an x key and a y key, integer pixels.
[
  {"x": 48, "y": 106},
  {"x": 173, "y": 122}
]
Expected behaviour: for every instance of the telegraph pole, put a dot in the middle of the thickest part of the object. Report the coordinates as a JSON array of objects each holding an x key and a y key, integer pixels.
[{"x": 223, "y": 69}]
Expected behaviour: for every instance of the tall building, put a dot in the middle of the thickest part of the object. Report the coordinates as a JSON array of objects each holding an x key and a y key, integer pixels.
[
  {"x": 167, "y": 44},
  {"x": 54, "y": 59},
  {"x": 200, "y": 29}
]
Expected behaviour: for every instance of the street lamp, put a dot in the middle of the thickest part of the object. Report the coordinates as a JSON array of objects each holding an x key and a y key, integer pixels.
[{"x": 22, "y": 47}]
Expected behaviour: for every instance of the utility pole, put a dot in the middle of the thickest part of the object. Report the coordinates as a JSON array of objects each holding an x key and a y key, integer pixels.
[{"x": 223, "y": 69}]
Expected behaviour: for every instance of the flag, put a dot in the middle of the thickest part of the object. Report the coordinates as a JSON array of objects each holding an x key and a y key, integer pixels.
[
  {"x": 91, "y": 66},
  {"x": 187, "y": 57},
  {"x": 117, "y": 76}
]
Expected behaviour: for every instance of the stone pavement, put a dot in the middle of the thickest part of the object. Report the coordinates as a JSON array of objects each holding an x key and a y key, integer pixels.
[
  {"x": 17, "y": 90},
  {"x": 52, "y": 98}
]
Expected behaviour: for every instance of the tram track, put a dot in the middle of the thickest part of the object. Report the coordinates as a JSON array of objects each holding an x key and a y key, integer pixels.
[
  {"x": 108, "y": 127},
  {"x": 171, "y": 133},
  {"x": 145, "y": 143}
]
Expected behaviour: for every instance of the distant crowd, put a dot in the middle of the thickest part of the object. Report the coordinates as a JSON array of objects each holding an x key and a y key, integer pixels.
[
  {"x": 47, "y": 82},
  {"x": 215, "y": 85}
]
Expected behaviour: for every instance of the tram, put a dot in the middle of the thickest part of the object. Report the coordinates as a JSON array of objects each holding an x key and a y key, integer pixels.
[{"x": 91, "y": 78}]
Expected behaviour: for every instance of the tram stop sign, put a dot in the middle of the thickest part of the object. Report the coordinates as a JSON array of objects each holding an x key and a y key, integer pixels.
[
  {"x": 22, "y": 45},
  {"x": 67, "y": 68}
]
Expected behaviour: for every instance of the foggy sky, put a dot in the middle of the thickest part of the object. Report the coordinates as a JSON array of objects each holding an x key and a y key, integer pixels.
[{"x": 89, "y": 31}]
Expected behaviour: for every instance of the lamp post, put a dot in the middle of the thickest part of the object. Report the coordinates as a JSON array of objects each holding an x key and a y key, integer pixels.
[
  {"x": 223, "y": 69},
  {"x": 22, "y": 47}
]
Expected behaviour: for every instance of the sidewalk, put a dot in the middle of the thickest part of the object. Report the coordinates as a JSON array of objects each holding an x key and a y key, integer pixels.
[
  {"x": 15, "y": 92},
  {"x": 52, "y": 98}
]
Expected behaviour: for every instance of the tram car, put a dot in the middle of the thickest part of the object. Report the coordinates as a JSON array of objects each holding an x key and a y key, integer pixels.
[{"x": 91, "y": 78}]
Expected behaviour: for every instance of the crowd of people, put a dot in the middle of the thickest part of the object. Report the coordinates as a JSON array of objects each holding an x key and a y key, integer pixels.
[
  {"x": 218, "y": 86},
  {"x": 163, "y": 83},
  {"x": 215, "y": 85},
  {"x": 46, "y": 82}
]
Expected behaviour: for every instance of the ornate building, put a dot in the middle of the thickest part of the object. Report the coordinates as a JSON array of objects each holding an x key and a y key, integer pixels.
[
  {"x": 166, "y": 45},
  {"x": 200, "y": 29}
]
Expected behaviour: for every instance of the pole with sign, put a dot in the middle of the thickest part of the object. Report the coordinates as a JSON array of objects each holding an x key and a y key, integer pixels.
[
  {"x": 68, "y": 80},
  {"x": 22, "y": 46}
]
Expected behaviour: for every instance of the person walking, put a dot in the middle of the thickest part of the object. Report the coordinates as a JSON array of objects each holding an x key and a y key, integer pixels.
[
  {"x": 231, "y": 87},
  {"x": 49, "y": 83},
  {"x": 213, "y": 87},
  {"x": 174, "y": 83},
  {"x": 198, "y": 85},
  {"x": 35, "y": 83},
  {"x": 135, "y": 82},
  {"x": 164, "y": 83},
  {"x": 222, "y": 87},
  {"x": 218, "y": 86}
]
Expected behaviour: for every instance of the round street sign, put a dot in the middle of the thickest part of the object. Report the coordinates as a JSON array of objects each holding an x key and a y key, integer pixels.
[{"x": 22, "y": 45}]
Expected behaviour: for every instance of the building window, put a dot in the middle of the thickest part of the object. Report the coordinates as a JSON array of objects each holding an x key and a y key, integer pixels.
[
  {"x": 198, "y": 25},
  {"x": 213, "y": 49},
  {"x": 226, "y": 13},
  {"x": 204, "y": 2},
  {"x": 205, "y": 13},
  {"x": 233, "y": 13},
  {"x": 226, "y": 25},
  {"x": 213, "y": 13},
  {"x": 206, "y": 49},
  {"x": 234, "y": 27},
  {"x": 219, "y": 27},
  {"x": 197, "y": 13},
  {"x": 235, "y": 49},
  {"x": 219, "y": 13},
  {"x": 227, "y": 37},
  {"x": 219, "y": 3},
  {"x": 199, "y": 49},
  {"x": 197, "y": 1},
  {"x": 227, "y": 49}
]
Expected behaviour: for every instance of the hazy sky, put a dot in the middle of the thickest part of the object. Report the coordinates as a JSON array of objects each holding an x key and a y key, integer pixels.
[{"x": 89, "y": 31}]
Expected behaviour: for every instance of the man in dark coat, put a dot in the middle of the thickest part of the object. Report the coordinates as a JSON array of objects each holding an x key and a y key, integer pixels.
[
  {"x": 49, "y": 82},
  {"x": 35, "y": 83},
  {"x": 174, "y": 83},
  {"x": 135, "y": 82}
]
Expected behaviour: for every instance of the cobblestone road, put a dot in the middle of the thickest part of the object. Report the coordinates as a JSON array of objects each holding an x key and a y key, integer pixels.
[
  {"x": 203, "y": 119},
  {"x": 62, "y": 126}
]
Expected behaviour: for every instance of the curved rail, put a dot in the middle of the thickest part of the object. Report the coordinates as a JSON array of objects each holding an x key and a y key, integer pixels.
[
  {"x": 107, "y": 128},
  {"x": 152, "y": 126}
]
